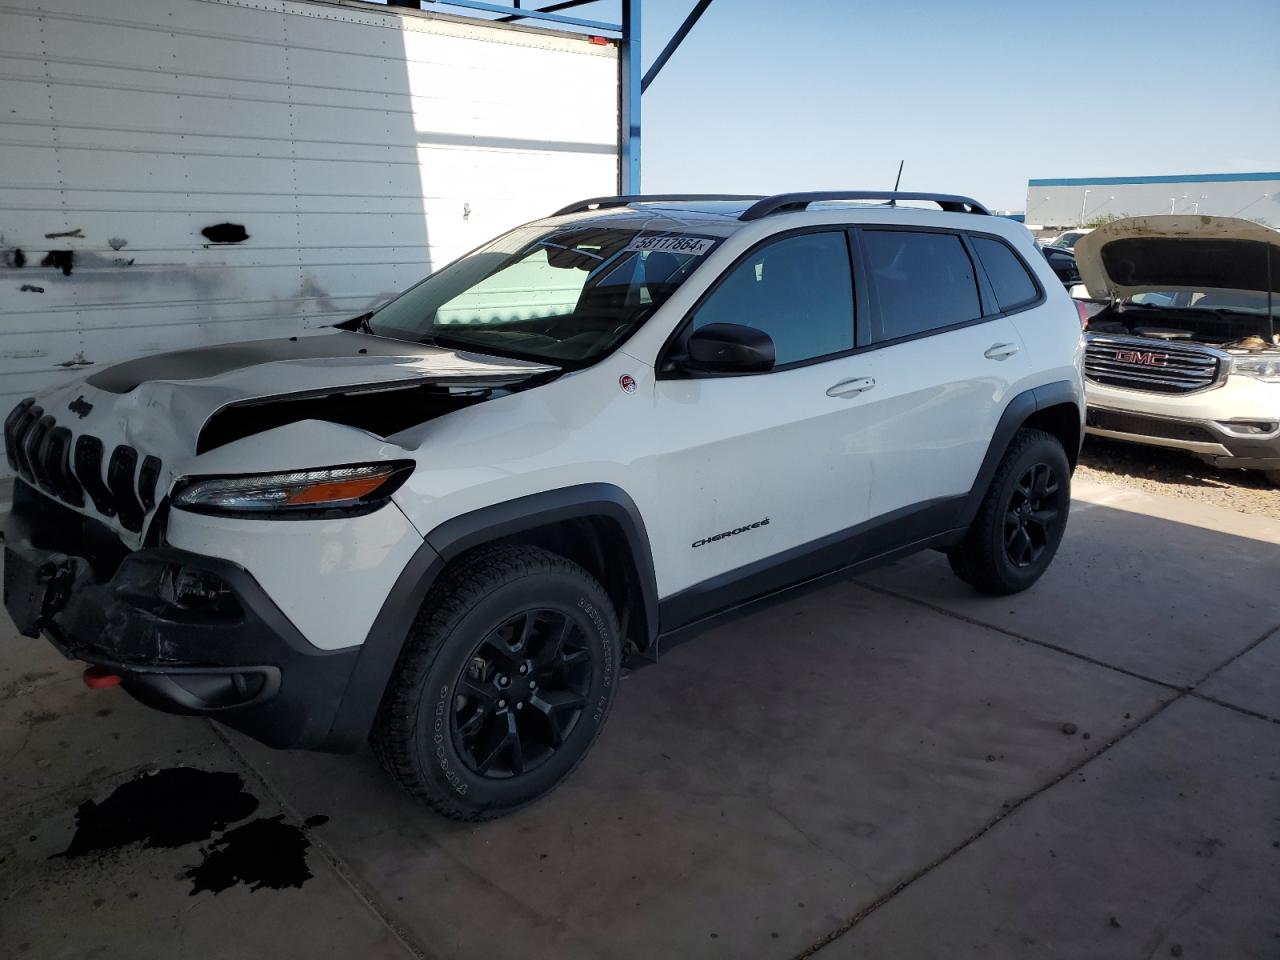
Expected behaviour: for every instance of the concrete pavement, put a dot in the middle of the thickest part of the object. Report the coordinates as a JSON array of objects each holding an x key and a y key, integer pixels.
[{"x": 877, "y": 769}]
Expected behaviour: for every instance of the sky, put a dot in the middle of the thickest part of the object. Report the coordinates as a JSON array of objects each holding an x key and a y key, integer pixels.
[{"x": 975, "y": 97}]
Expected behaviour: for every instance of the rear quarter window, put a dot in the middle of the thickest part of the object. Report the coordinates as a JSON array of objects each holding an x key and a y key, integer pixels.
[
  {"x": 1010, "y": 279},
  {"x": 923, "y": 281}
]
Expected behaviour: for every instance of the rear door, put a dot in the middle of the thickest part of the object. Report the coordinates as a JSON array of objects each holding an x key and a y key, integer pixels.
[{"x": 945, "y": 358}]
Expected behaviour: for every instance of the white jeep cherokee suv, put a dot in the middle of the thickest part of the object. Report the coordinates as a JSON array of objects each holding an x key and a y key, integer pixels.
[
  {"x": 1186, "y": 353},
  {"x": 445, "y": 525}
]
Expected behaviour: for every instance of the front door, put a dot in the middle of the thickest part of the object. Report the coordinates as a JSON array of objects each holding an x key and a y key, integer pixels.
[{"x": 753, "y": 466}]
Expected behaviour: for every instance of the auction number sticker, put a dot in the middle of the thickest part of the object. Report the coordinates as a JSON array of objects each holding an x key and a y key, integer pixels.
[{"x": 692, "y": 246}]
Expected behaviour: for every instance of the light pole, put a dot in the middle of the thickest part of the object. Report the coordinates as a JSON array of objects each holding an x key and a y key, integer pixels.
[
  {"x": 1173, "y": 202},
  {"x": 1083, "y": 198}
]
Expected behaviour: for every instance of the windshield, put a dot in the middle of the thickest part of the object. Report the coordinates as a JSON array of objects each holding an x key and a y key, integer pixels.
[
  {"x": 1237, "y": 301},
  {"x": 1067, "y": 241},
  {"x": 567, "y": 294}
]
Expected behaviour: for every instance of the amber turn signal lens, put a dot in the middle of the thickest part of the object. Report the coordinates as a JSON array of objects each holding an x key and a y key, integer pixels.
[{"x": 333, "y": 491}]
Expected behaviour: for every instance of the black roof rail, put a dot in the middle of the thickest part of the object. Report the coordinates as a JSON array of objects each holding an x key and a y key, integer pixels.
[
  {"x": 785, "y": 202},
  {"x": 626, "y": 200}
]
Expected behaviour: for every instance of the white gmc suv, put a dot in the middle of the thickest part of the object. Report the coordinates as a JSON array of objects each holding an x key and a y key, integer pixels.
[
  {"x": 445, "y": 525},
  {"x": 1186, "y": 352}
]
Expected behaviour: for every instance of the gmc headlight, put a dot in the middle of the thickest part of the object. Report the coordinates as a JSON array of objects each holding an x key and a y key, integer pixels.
[
  {"x": 1262, "y": 368},
  {"x": 358, "y": 487}
]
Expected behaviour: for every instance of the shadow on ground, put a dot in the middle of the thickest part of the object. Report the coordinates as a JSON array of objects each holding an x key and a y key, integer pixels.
[{"x": 892, "y": 767}]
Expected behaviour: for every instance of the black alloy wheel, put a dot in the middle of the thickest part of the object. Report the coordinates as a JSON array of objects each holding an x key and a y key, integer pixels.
[
  {"x": 1020, "y": 522},
  {"x": 504, "y": 682},
  {"x": 520, "y": 694},
  {"x": 1031, "y": 518}
]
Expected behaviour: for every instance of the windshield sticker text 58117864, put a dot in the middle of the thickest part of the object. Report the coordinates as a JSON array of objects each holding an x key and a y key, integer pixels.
[{"x": 693, "y": 246}]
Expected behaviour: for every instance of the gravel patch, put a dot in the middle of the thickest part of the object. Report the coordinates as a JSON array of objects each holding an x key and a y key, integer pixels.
[{"x": 1172, "y": 473}]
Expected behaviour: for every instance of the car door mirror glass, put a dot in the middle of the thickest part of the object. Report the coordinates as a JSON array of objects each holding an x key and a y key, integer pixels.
[{"x": 728, "y": 348}]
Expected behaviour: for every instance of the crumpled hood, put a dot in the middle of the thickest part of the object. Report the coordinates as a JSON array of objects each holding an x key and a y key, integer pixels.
[
  {"x": 1179, "y": 252},
  {"x": 157, "y": 406}
]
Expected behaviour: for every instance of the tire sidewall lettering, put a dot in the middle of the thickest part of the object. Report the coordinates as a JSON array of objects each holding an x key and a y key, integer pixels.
[{"x": 439, "y": 735}]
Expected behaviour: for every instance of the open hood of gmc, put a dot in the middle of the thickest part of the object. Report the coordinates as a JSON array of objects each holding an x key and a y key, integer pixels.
[{"x": 1175, "y": 252}]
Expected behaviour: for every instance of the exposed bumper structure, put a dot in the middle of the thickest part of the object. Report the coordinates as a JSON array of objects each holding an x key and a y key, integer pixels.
[{"x": 187, "y": 633}]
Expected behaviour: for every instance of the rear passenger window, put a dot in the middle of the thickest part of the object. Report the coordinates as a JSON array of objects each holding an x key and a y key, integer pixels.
[
  {"x": 798, "y": 290},
  {"x": 1009, "y": 278},
  {"x": 923, "y": 281}
]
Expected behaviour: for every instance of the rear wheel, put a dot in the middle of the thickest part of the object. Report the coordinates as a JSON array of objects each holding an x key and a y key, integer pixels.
[
  {"x": 505, "y": 680},
  {"x": 1021, "y": 520}
]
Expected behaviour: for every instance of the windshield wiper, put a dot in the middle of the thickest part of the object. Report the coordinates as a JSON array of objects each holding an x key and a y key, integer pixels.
[{"x": 357, "y": 324}]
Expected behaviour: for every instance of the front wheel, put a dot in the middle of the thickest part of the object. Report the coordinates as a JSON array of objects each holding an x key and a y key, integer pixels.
[
  {"x": 505, "y": 680},
  {"x": 1021, "y": 520}
]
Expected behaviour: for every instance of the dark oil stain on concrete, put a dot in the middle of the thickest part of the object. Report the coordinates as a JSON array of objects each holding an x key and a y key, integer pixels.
[
  {"x": 65, "y": 233},
  {"x": 64, "y": 260},
  {"x": 31, "y": 288},
  {"x": 225, "y": 233},
  {"x": 167, "y": 808},
  {"x": 266, "y": 852},
  {"x": 13, "y": 257}
]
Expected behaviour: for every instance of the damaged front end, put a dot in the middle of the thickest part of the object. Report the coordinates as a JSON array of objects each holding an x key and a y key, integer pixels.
[
  {"x": 112, "y": 446},
  {"x": 184, "y": 633},
  {"x": 154, "y": 532}
]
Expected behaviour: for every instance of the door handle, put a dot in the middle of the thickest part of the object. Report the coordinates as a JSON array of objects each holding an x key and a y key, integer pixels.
[
  {"x": 1001, "y": 351},
  {"x": 850, "y": 388}
]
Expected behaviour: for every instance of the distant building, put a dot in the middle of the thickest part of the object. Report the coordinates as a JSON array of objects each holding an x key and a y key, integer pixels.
[{"x": 1076, "y": 201}]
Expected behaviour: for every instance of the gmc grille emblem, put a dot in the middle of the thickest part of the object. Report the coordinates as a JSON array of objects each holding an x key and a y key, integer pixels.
[{"x": 1143, "y": 357}]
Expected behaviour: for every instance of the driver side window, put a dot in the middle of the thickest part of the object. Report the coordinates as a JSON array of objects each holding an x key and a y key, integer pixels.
[{"x": 798, "y": 290}]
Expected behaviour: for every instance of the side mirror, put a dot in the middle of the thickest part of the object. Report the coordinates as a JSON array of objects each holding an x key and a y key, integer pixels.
[{"x": 729, "y": 348}]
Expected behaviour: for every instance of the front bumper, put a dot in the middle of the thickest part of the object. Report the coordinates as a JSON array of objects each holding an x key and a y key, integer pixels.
[
  {"x": 1244, "y": 444},
  {"x": 236, "y": 658}
]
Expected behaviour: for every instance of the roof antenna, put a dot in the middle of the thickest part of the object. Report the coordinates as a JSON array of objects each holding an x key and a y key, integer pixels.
[{"x": 897, "y": 180}]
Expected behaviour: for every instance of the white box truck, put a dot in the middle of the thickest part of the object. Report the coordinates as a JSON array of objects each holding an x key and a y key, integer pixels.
[{"x": 176, "y": 173}]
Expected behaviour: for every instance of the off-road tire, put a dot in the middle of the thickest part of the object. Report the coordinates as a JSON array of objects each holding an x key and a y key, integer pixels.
[
  {"x": 982, "y": 558},
  {"x": 412, "y": 735}
]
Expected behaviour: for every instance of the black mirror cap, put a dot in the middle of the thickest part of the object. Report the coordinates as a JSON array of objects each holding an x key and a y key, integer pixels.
[{"x": 729, "y": 348}]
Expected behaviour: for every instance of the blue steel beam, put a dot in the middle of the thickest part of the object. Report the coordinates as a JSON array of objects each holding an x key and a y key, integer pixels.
[
  {"x": 532, "y": 14},
  {"x": 629, "y": 94},
  {"x": 676, "y": 39},
  {"x": 549, "y": 8}
]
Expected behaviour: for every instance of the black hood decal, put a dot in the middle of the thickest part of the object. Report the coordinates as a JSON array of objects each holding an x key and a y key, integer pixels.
[{"x": 205, "y": 362}]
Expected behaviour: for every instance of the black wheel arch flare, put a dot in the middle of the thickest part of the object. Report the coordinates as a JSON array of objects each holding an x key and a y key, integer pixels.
[{"x": 382, "y": 645}]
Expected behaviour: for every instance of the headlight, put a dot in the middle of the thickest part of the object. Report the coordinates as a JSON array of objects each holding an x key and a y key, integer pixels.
[
  {"x": 1263, "y": 368},
  {"x": 352, "y": 488}
]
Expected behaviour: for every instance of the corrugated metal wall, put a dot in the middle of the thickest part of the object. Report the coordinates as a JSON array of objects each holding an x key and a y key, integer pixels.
[{"x": 357, "y": 148}]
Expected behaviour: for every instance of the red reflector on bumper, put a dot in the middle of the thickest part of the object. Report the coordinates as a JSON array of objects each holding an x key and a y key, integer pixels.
[{"x": 99, "y": 678}]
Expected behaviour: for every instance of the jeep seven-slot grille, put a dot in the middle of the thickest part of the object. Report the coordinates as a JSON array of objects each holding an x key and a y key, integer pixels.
[
  {"x": 1155, "y": 365},
  {"x": 43, "y": 454}
]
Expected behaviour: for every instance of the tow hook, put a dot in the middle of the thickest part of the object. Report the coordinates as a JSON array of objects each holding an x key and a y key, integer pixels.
[{"x": 99, "y": 678}]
